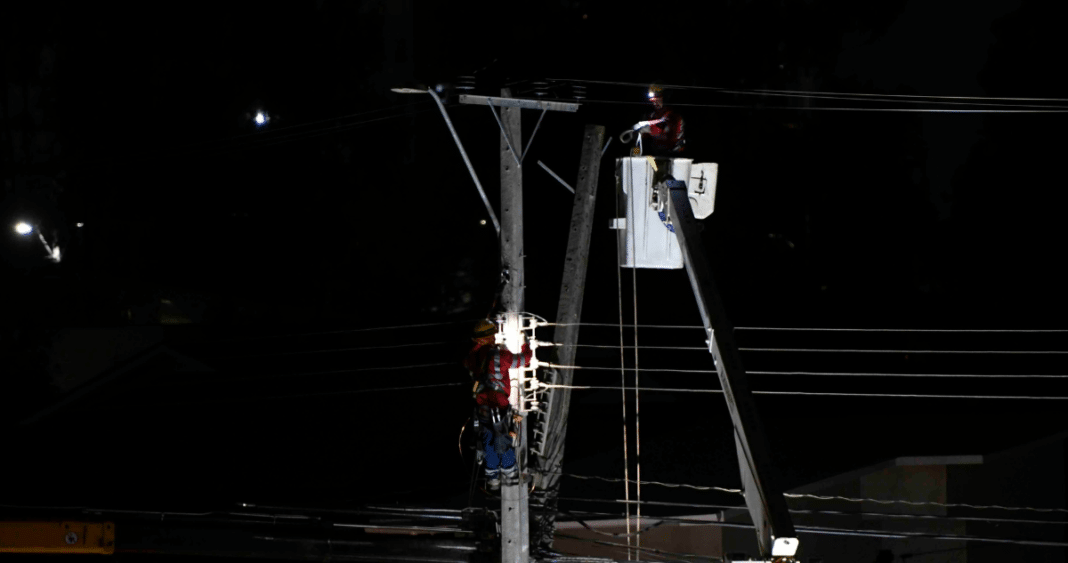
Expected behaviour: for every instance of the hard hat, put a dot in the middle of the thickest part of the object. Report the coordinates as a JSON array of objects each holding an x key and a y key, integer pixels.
[
  {"x": 484, "y": 328},
  {"x": 656, "y": 91}
]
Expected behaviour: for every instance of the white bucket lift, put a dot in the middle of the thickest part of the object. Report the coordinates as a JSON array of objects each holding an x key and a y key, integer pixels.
[{"x": 645, "y": 239}]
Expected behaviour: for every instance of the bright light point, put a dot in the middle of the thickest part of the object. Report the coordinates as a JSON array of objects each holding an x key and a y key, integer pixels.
[
  {"x": 55, "y": 255},
  {"x": 482, "y": 222},
  {"x": 79, "y": 224},
  {"x": 260, "y": 118},
  {"x": 23, "y": 228}
]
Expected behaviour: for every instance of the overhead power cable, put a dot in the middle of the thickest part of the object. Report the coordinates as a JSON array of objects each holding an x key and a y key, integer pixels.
[
  {"x": 827, "y": 497},
  {"x": 270, "y": 136},
  {"x": 818, "y": 108},
  {"x": 819, "y": 329},
  {"x": 906, "y": 516},
  {"x": 349, "y": 330},
  {"x": 818, "y": 393},
  {"x": 896, "y": 96},
  {"x": 321, "y": 394},
  {"x": 857, "y": 374},
  {"x": 862, "y": 351},
  {"x": 921, "y": 375},
  {"x": 330, "y": 350},
  {"x": 868, "y": 533}
]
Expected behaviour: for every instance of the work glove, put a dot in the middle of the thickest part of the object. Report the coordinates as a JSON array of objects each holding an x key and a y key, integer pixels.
[{"x": 644, "y": 125}]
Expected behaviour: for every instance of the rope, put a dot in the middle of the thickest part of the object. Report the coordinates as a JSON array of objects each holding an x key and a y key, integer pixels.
[
  {"x": 637, "y": 416},
  {"x": 623, "y": 382}
]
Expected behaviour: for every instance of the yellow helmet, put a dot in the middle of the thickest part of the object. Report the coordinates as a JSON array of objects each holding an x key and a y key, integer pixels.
[
  {"x": 484, "y": 328},
  {"x": 656, "y": 91}
]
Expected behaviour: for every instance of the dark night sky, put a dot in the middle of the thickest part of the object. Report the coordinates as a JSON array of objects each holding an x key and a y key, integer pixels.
[{"x": 823, "y": 218}]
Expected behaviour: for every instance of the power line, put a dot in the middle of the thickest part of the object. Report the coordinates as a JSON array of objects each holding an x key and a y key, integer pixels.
[
  {"x": 669, "y": 485},
  {"x": 926, "y": 503},
  {"x": 903, "y": 351},
  {"x": 902, "y": 96},
  {"x": 825, "y": 497},
  {"x": 315, "y": 133},
  {"x": 823, "y": 373},
  {"x": 349, "y": 330},
  {"x": 844, "y": 513},
  {"x": 921, "y": 375},
  {"x": 820, "y": 329},
  {"x": 340, "y": 371},
  {"x": 328, "y": 350},
  {"x": 323, "y": 394},
  {"x": 817, "y": 108},
  {"x": 268, "y": 135},
  {"x": 705, "y": 349},
  {"x": 818, "y": 393},
  {"x": 935, "y": 330},
  {"x": 865, "y": 533}
]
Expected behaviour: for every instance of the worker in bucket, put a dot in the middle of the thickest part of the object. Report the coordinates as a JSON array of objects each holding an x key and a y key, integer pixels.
[
  {"x": 662, "y": 132},
  {"x": 495, "y": 422}
]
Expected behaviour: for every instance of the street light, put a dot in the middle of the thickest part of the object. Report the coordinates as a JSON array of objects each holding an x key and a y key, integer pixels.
[{"x": 54, "y": 254}]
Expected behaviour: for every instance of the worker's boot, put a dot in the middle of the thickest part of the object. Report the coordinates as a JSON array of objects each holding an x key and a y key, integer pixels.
[{"x": 510, "y": 475}]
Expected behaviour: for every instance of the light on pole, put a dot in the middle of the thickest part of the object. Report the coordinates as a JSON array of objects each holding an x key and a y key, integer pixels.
[{"x": 54, "y": 254}]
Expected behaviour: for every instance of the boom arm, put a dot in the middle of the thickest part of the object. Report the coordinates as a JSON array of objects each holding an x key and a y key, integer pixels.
[{"x": 775, "y": 529}]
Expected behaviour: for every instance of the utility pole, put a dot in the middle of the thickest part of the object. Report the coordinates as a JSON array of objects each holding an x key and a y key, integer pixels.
[
  {"x": 515, "y": 504},
  {"x": 515, "y": 511},
  {"x": 568, "y": 314}
]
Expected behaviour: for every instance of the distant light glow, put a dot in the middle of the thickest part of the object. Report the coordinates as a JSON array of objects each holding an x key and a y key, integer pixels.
[
  {"x": 260, "y": 118},
  {"x": 79, "y": 224},
  {"x": 23, "y": 228},
  {"x": 482, "y": 222}
]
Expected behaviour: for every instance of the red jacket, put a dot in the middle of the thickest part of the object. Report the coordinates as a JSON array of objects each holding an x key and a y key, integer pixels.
[
  {"x": 668, "y": 136},
  {"x": 489, "y": 364}
]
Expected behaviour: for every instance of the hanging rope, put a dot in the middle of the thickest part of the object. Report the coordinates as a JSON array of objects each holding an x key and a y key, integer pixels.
[{"x": 623, "y": 385}]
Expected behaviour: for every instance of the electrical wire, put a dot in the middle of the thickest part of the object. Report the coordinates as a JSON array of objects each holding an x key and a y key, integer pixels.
[
  {"x": 817, "y": 108},
  {"x": 317, "y": 133},
  {"x": 834, "y": 498},
  {"x": 902, "y": 96},
  {"x": 922, "y": 375},
  {"x": 987, "y": 519},
  {"x": 323, "y": 394},
  {"x": 817, "y": 329},
  {"x": 267, "y": 135},
  {"x": 870, "y": 533},
  {"x": 903, "y": 351},
  {"x": 822, "y": 394},
  {"x": 329, "y": 350},
  {"x": 823, "y": 373},
  {"x": 935, "y": 330},
  {"x": 350, "y": 330},
  {"x": 669, "y": 485}
]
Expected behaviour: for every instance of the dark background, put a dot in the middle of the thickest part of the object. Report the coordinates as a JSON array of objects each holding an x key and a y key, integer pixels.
[{"x": 352, "y": 208}]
